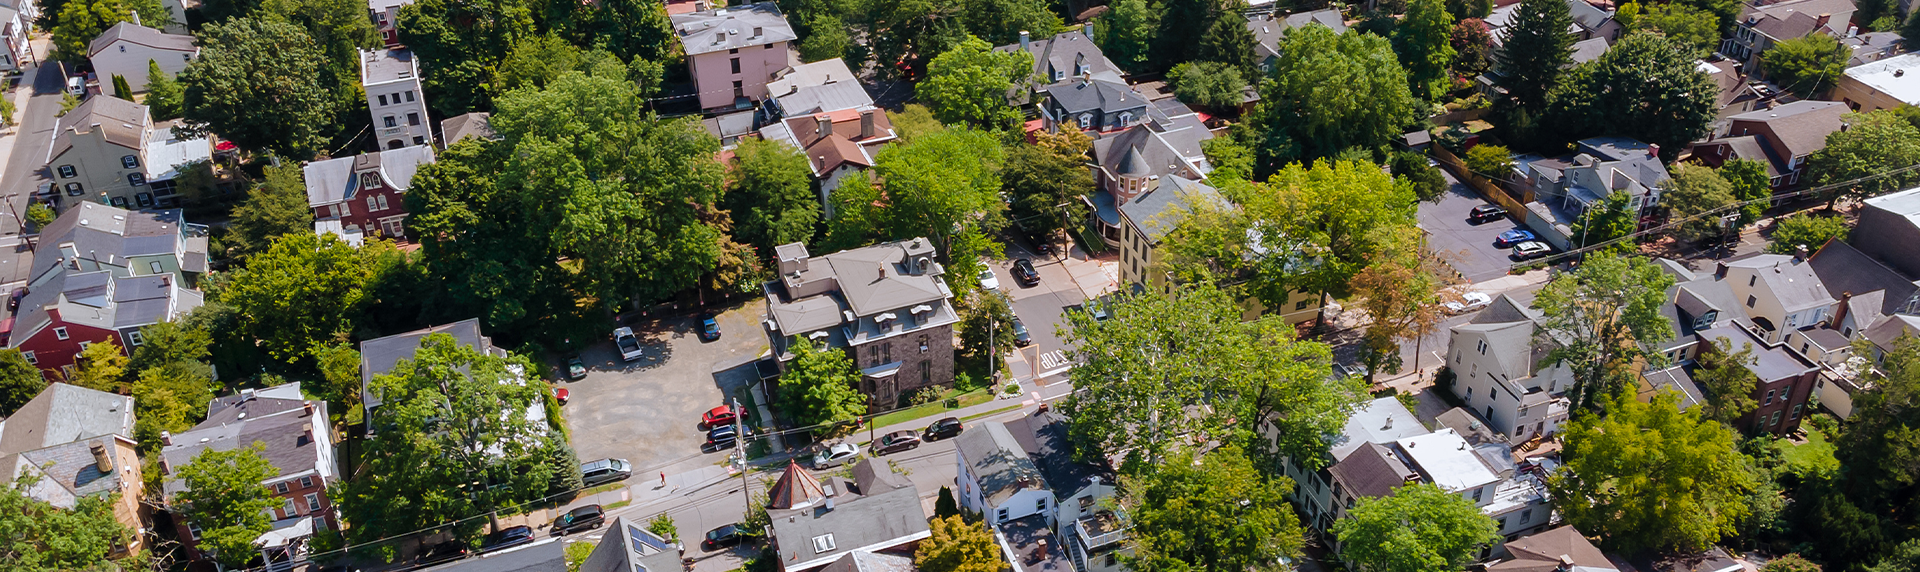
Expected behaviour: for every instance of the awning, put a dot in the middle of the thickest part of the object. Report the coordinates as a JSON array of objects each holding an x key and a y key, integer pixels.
[{"x": 285, "y": 531}]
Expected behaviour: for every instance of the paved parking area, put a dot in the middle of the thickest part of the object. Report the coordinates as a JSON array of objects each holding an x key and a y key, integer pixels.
[
  {"x": 648, "y": 411},
  {"x": 1042, "y": 308},
  {"x": 1469, "y": 247}
]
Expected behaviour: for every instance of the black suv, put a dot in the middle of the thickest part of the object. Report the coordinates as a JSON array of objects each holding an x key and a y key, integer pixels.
[
  {"x": 442, "y": 552},
  {"x": 1485, "y": 213},
  {"x": 584, "y": 518},
  {"x": 1024, "y": 273},
  {"x": 507, "y": 538},
  {"x": 943, "y": 429}
]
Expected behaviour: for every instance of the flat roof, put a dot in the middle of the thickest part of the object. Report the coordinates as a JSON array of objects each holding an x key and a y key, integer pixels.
[
  {"x": 1447, "y": 460},
  {"x": 1890, "y": 76}
]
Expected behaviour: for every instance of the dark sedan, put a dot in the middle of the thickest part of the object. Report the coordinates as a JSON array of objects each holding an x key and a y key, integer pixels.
[
  {"x": 507, "y": 538},
  {"x": 944, "y": 429},
  {"x": 1024, "y": 273},
  {"x": 895, "y": 442},
  {"x": 727, "y": 535}
]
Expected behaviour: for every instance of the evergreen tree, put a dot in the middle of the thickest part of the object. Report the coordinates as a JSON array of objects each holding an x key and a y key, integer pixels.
[
  {"x": 1536, "y": 50},
  {"x": 164, "y": 94}
]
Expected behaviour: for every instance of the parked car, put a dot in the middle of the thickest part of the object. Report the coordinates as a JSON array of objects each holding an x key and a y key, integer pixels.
[
  {"x": 722, "y": 415},
  {"x": 507, "y": 538},
  {"x": 1531, "y": 249},
  {"x": 560, "y": 394},
  {"x": 709, "y": 328},
  {"x": 584, "y": 518},
  {"x": 629, "y": 346},
  {"x": 1485, "y": 213},
  {"x": 895, "y": 442},
  {"x": 988, "y": 280},
  {"x": 1468, "y": 302},
  {"x": 605, "y": 471},
  {"x": 835, "y": 456},
  {"x": 13, "y": 300},
  {"x": 726, "y": 535},
  {"x": 1024, "y": 273},
  {"x": 1515, "y": 236},
  {"x": 1021, "y": 337},
  {"x": 944, "y": 429},
  {"x": 576, "y": 369},
  {"x": 722, "y": 436},
  {"x": 441, "y": 553}
]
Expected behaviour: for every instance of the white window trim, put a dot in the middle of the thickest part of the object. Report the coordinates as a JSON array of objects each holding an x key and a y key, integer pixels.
[{"x": 60, "y": 333}]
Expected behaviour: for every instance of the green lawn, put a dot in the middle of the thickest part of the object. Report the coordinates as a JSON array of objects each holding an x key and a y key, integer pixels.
[
  {"x": 1812, "y": 458},
  {"x": 937, "y": 407}
]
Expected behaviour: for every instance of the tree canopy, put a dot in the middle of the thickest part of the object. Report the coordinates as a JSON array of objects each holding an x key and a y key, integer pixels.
[
  {"x": 255, "y": 85},
  {"x": 1695, "y": 190},
  {"x": 1046, "y": 182},
  {"x": 1601, "y": 317},
  {"x": 1728, "y": 383},
  {"x": 1806, "y": 230},
  {"x": 275, "y": 206},
  {"x": 969, "y": 84},
  {"x": 224, "y": 497},
  {"x": 819, "y": 388},
  {"x": 1420, "y": 528},
  {"x": 1328, "y": 93},
  {"x": 1648, "y": 476},
  {"x": 1126, "y": 33},
  {"x": 165, "y": 98},
  {"x": 1537, "y": 50},
  {"x": 957, "y": 546},
  {"x": 1646, "y": 87},
  {"x": 1872, "y": 143},
  {"x": 41, "y": 537},
  {"x": 944, "y": 185},
  {"x": 770, "y": 195},
  {"x": 1808, "y": 65},
  {"x": 304, "y": 291},
  {"x": 1216, "y": 512},
  {"x": 1211, "y": 85},
  {"x": 19, "y": 381},
  {"x": 1424, "y": 42},
  {"x": 1696, "y": 29}
]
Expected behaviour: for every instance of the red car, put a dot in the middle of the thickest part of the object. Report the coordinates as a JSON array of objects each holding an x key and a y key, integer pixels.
[{"x": 722, "y": 415}]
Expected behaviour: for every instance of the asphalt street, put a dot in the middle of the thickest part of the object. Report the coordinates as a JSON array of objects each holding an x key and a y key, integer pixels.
[{"x": 26, "y": 165}]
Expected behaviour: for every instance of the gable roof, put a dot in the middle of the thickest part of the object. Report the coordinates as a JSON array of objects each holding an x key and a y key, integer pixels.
[
  {"x": 69, "y": 472},
  {"x": 336, "y": 180},
  {"x": 866, "y": 561},
  {"x": 1790, "y": 279},
  {"x": 1372, "y": 471},
  {"x": 119, "y": 121},
  {"x": 1800, "y": 127},
  {"x": 1890, "y": 328},
  {"x": 1044, "y": 437},
  {"x": 732, "y": 27},
  {"x": 826, "y": 85},
  {"x": 62, "y": 414},
  {"x": 861, "y": 517},
  {"x": 1160, "y": 209},
  {"x": 1589, "y": 49},
  {"x": 380, "y": 355},
  {"x": 1797, "y": 18},
  {"x": 140, "y": 35},
  {"x": 1142, "y": 151},
  {"x": 628, "y": 546},
  {"x": 294, "y": 441},
  {"x": 478, "y": 124},
  {"x": 870, "y": 284},
  {"x": 1268, "y": 31},
  {"x": 1543, "y": 552},
  {"x": 1511, "y": 344},
  {"x": 1063, "y": 53},
  {"x": 999, "y": 463},
  {"x": 1846, "y": 271},
  {"x": 1079, "y": 96}
]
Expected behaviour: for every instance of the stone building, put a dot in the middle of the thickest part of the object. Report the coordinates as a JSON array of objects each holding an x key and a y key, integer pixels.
[{"x": 885, "y": 305}]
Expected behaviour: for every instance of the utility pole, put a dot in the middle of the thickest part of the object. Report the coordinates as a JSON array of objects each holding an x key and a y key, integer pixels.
[{"x": 740, "y": 448}]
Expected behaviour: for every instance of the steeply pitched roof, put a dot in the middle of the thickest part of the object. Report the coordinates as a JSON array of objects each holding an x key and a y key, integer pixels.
[
  {"x": 1791, "y": 280},
  {"x": 998, "y": 462},
  {"x": 1142, "y": 151},
  {"x": 1589, "y": 49},
  {"x": 1372, "y": 471},
  {"x": 872, "y": 519},
  {"x": 380, "y": 355},
  {"x": 1674, "y": 379},
  {"x": 1065, "y": 52},
  {"x": 1544, "y": 551},
  {"x": 293, "y": 441},
  {"x": 629, "y": 547},
  {"x": 1846, "y": 271},
  {"x": 1890, "y": 328},
  {"x": 1268, "y": 31},
  {"x": 1801, "y": 126},
  {"x": 542, "y": 556},
  {"x": 1160, "y": 209},
  {"x": 62, "y": 414},
  {"x": 732, "y": 27},
  {"x": 1511, "y": 344},
  {"x": 1044, "y": 437},
  {"x": 141, "y": 35},
  {"x": 1797, "y": 18},
  {"x": 796, "y": 488},
  {"x": 1106, "y": 95},
  {"x": 335, "y": 180},
  {"x": 120, "y": 122}
]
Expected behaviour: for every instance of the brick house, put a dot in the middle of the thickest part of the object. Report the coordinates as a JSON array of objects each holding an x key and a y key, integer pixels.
[
  {"x": 297, "y": 441},
  {"x": 885, "y": 305},
  {"x": 364, "y": 194}
]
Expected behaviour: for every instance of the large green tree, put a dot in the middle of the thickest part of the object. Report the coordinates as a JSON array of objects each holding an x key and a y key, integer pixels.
[
  {"x": 1214, "y": 512},
  {"x": 1750, "y": 183},
  {"x": 1600, "y": 318},
  {"x": 1648, "y": 476},
  {"x": 1344, "y": 213},
  {"x": 222, "y": 494},
  {"x": 304, "y": 290},
  {"x": 77, "y": 22},
  {"x": 1646, "y": 87},
  {"x": 969, "y": 83},
  {"x": 1723, "y": 373},
  {"x": 958, "y": 546},
  {"x": 340, "y": 29},
  {"x": 1046, "y": 182},
  {"x": 1329, "y": 93},
  {"x": 165, "y": 98},
  {"x": 1182, "y": 25},
  {"x": 770, "y": 195},
  {"x": 986, "y": 331},
  {"x": 1691, "y": 27},
  {"x": 41, "y": 537},
  {"x": 172, "y": 382},
  {"x": 1210, "y": 85},
  {"x": 1694, "y": 191},
  {"x": 1420, "y": 528},
  {"x": 819, "y": 388},
  {"x": 1424, "y": 42},
  {"x": 1871, "y": 144},
  {"x": 489, "y": 247},
  {"x": 907, "y": 33},
  {"x": 944, "y": 186},
  {"x": 1808, "y": 65},
  {"x": 1229, "y": 41},
  {"x": 1867, "y": 513},
  {"x": 19, "y": 382},
  {"x": 1807, "y": 230},
  {"x": 459, "y": 42},
  {"x": 1126, "y": 33},
  {"x": 1536, "y": 50},
  {"x": 254, "y": 84},
  {"x": 275, "y": 206},
  {"x": 1612, "y": 218}
]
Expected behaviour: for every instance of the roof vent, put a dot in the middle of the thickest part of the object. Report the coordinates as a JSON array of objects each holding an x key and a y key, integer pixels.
[{"x": 1898, "y": 73}]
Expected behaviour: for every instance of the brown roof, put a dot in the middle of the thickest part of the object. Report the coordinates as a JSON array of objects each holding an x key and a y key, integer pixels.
[
  {"x": 1799, "y": 128},
  {"x": 1542, "y": 552},
  {"x": 828, "y": 154},
  {"x": 122, "y": 123},
  {"x": 1371, "y": 471},
  {"x": 796, "y": 488},
  {"x": 845, "y": 123},
  {"x": 1797, "y": 18}
]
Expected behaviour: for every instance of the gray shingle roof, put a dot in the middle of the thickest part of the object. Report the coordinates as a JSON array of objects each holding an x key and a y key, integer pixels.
[
  {"x": 284, "y": 434},
  {"x": 122, "y": 122},
  {"x": 476, "y": 124},
  {"x": 1268, "y": 31},
  {"x": 380, "y": 355},
  {"x": 1845, "y": 270},
  {"x": 1791, "y": 280},
  {"x": 141, "y": 35},
  {"x": 62, "y": 414},
  {"x": 627, "y": 546},
  {"x": 1801, "y": 126},
  {"x": 999, "y": 462},
  {"x": 1109, "y": 96},
  {"x": 732, "y": 27},
  {"x": 862, "y": 518},
  {"x": 1372, "y": 471},
  {"x": 1065, "y": 52},
  {"x": 546, "y": 556},
  {"x": 69, "y": 471},
  {"x": 1160, "y": 209}
]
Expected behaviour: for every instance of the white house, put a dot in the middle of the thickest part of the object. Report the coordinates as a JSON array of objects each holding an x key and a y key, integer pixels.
[
  {"x": 15, "y": 27},
  {"x": 125, "y": 49},
  {"x": 1502, "y": 375},
  {"x": 998, "y": 480},
  {"x": 392, "y": 82}
]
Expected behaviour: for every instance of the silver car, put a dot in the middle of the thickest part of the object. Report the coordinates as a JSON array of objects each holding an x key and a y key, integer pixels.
[{"x": 839, "y": 454}]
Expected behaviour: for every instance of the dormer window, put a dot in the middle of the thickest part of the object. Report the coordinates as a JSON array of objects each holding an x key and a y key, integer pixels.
[{"x": 370, "y": 181}]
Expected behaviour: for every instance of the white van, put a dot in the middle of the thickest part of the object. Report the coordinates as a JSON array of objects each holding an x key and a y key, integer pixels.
[
  {"x": 605, "y": 471},
  {"x": 77, "y": 86}
]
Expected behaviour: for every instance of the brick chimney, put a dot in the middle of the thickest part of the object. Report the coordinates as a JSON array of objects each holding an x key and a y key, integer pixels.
[
  {"x": 866, "y": 124},
  {"x": 309, "y": 410},
  {"x": 1821, "y": 22},
  {"x": 825, "y": 125},
  {"x": 100, "y": 458},
  {"x": 166, "y": 438}
]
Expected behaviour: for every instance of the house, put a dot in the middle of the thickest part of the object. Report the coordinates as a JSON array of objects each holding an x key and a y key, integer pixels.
[
  {"x": 477, "y": 125},
  {"x": 628, "y": 546},
  {"x": 1125, "y": 164},
  {"x": 1881, "y": 84},
  {"x": 1592, "y": 22},
  {"x": 547, "y": 555},
  {"x": 99, "y": 275},
  {"x": 1760, "y": 26},
  {"x": 837, "y": 144},
  {"x": 1736, "y": 95},
  {"x": 1872, "y": 47},
  {"x": 1268, "y": 30},
  {"x": 1513, "y": 494},
  {"x": 1889, "y": 224},
  {"x": 1594, "y": 31},
  {"x": 1782, "y": 138},
  {"x": 1382, "y": 420},
  {"x": 125, "y": 50},
  {"x": 1785, "y": 378},
  {"x": 1779, "y": 293},
  {"x": 79, "y": 443},
  {"x": 1695, "y": 303},
  {"x": 877, "y": 511},
  {"x": 1729, "y": 304},
  {"x": 296, "y": 440},
  {"x": 734, "y": 52},
  {"x": 886, "y": 305},
  {"x": 107, "y": 149},
  {"x": 380, "y": 355},
  {"x": 1502, "y": 372},
  {"x": 729, "y": 129},
  {"x": 1092, "y": 104},
  {"x": 1150, "y": 216},
  {"x": 391, "y": 78},
  {"x": 1561, "y": 549},
  {"x": 1568, "y": 187},
  {"x": 1000, "y": 476},
  {"x": 1061, "y": 59},
  {"x": 1867, "y": 289},
  {"x": 386, "y": 19},
  {"x": 365, "y": 194},
  {"x": 15, "y": 37},
  {"x": 997, "y": 478},
  {"x": 818, "y": 87}
]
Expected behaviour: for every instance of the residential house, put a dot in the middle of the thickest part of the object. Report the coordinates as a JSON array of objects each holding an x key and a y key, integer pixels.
[
  {"x": 1889, "y": 231},
  {"x": 1885, "y": 335},
  {"x": 386, "y": 19},
  {"x": 1592, "y": 22},
  {"x": 295, "y": 439},
  {"x": 1781, "y": 138},
  {"x": 1872, "y": 47},
  {"x": 1060, "y": 60},
  {"x": 1695, "y": 303},
  {"x": 1502, "y": 372},
  {"x": 28, "y": 11},
  {"x": 125, "y": 50},
  {"x": 16, "y": 49},
  {"x": 541, "y": 556},
  {"x": 1561, "y": 549},
  {"x": 1127, "y": 163},
  {"x": 1786, "y": 378},
  {"x": 1568, "y": 187},
  {"x": 1092, "y": 104},
  {"x": 818, "y": 87},
  {"x": 1780, "y": 293},
  {"x": 1083, "y": 521},
  {"x": 1760, "y": 26},
  {"x": 107, "y": 149},
  {"x": 99, "y": 275},
  {"x": 1383, "y": 420},
  {"x": 1709, "y": 311},
  {"x": 999, "y": 479},
  {"x": 380, "y": 355},
  {"x": 391, "y": 79},
  {"x": 733, "y": 52},
  {"x": 1269, "y": 29},
  {"x": 1513, "y": 494},
  {"x": 478, "y": 125},
  {"x": 1882, "y": 84},
  {"x": 817, "y": 523},
  {"x": 364, "y": 194},
  {"x": 1876, "y": 304},
  {"x": 865, "y": 561},
  {"x": 729, "y": 128},
  {"x": 177, "y": 15},
  {"x": 79, "y": 443},
  {"x": 628, "y": 546},
  {"x": 1736, "y": 95},
  {"x": 838, "y": 144},
  {"x": 886, "y": 305}
]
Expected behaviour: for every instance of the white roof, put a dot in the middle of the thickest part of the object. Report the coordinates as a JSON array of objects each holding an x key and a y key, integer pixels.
[
  {"x": 1891, "y": 76},
  {"x": 166, "y": 154},
  {"x": 1446, "y": 457},
  {"x": 334, "y": 227},
  {"x": 1382, "y": 421}
]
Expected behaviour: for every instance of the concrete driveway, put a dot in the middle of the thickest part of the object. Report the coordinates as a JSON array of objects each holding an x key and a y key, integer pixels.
[
  {"x": 1042, "y": 308},
  {"x": 1468, "y": 247},
  {"x": 648, "y": 411}
]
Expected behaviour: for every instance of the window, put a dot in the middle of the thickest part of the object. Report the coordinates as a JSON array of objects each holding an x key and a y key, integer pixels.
[
  {"x": 1111, "y": 559},
  {"x": 1476, "y": 495},
  {"x": 413, "y": 119},
  {"x": 1301, "y": 305},
  {"x": 194, "y": 529},
  {"x": 1502, "y": 523},
  {"x": 1000, "y": 515},
  {"x": 1796, "y": 412},
  {"x": 60, "y": 333},
  {"x": 30, "y": 358},
  {"x": 739, "y": 90},
  {"x": 313, "y": 502},
  {"x": 1526, "y": 516},
  {"x": 287, "y": 508},
  {"x": 409, "y": 95},
  {"x": 74, "y": 190},
  {"x": 280, "y": 487},
  {"x": 156, "y": 267},
  {"x": 1040, "y": 505},
  {"x": 370, "y": 181},
  {"x": 130, "y": 161},
  {"x": 343, "y": 209},
  {"x": 1769, "y": 400},
  {"x": 372, "y": 205},
  {"x": 123, "y": 49},
  {"x": 1751, "y": 300},
  {"x": 85, "y": 345},
  {"x": 383, "y": 202},
  {"x": 68, "y": 172},
  {"x": 1751, "y": 280},
  {"x": 735, "y": 62},
  {"x": 306, "y": 482},
  {"x": 417, "y": 140},
  {"x": 144, "y": 199},
  {"x": 135, "y": 339},
  {"x": 383, "y": 100},
  {"x": 823, "y": 544},
  {"x": 1469, "y": 392},
  {"x": 1776, "y": 419},
  {"x": 136, "y": 179},
  {"x": 389, "y": 120},
  {"x": 1482, "y": 346}
]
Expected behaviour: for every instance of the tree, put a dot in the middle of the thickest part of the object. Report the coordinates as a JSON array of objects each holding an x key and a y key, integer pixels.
[
  {"x": 535, "y": 62},
  {"x": 1648, "y": 476},
  {"x": 770, "y": 195},
  {"x": 944, "y": 186},
  {"x": 488, "y": 247},
  {"x": 1490, "y": 161},
  {"x": 1215, "y": 512},
  {"x": 19, "y": 381},
  {"x": 1402, "y": 294},
  {"x": 1472, "y": 47},
  {"x": 630, "y": 29},
  {"x": 457, "y": 42},
  {"x": 912, "y": 121},
  {"x": 1000, "y": 22},
  {"x": 1537, "y": 50},
  {"x": 1646, "y": 87},
  {"x": 1328, "y": 93},
  {"x": 969, "y": 84},
  {"x": 1126, "y": 33},
  {"x": 1345, "y": 213},
  {"x": 1423, "y": 41},
  {"x": 169, "y": 398},
  {"x": 986, "y": 332},
  {"x": 1420, "y": 528},
  {"x": 42, "y": 537},
  {"x": 165, "y": 97},
  {"x": 1806, "y": 230},
  {"x": 1469, "y": 9},
  {"x": 304, "y": 290},
  {"x": 1871, "y": 144},
  {"x": 662, "y": 526},
  {"x": 1691, "y": 27},
  {"x": 254, "y": 85},
  {"x": 340, "y": 29},
  {"x": 1600, "y": 318},
  {"x": 423, "y": 465},
  {"x": 908, "y": 33},
  {"x": 78, "y": 22},
  {"x": 1910, "y": 28},
  {"x": 1906, "y": 558},
  {"x": 1428, "y": 183},
  {"x": 1045, "y": 182},
  {"x": 121, "y": 89},
  {"x": 339, "y": 375},
  {"x": 1790, "y": 563},
  {"x": 819, "y": 388},
  {"x": 1728, "y": 383},
  {"x": 957, "y": 546},
  {"x": 944, "y": 505},
  {"x": 1231, "y": 160},
  {"x": 1229, "y": 41},
  {"x": 274, "y": 207},
  {"x": 100, "y": 367},
  {"x": 1750, "y": 183},
  {"x": 222, "y": 494},
  {"x": 1211, "y": 85},
  {"x": 1182, "y": 25},
  {"x": 577, "y": 554},
  {"x": 1694, "y": 191},
  {"x": 1613, "y": 218},
  {"x": 40, "y": 215},
  {"x": 1863, "y": 515},
  {"x": 829, "y": 39},
  {"x": 1808, "y": 65}
]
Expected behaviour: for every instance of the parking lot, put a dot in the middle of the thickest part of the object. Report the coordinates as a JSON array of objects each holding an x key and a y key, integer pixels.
[
  {"x": 1042, "y": 308},
  {"x": 648, "y": 411},
  {"x": 1469, "y": 247}
]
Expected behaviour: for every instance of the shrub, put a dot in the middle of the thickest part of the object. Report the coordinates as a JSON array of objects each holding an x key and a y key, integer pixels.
[{"x": 1491, "y": 161}]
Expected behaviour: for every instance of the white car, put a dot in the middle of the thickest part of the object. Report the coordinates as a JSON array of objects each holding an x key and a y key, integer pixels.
[
  {"x": 629, "y": 346},
  {"x": 988, "y": 281},
  {"x": 1468, "y": 302},
  {"x": 835, "y": 456}
]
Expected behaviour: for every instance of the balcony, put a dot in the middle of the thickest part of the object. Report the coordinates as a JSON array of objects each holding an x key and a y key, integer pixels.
[{"x": 1098, "y": 530}]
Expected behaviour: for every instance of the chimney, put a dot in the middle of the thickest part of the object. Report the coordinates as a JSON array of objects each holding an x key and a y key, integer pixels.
[
  {"x": 1024, "y": 40},
  {"x": 1822, "y": 20},
  {"x": 1799, "y": 252},
  {"x": 309, "y": 412},
  {"x": 866, "y": 124},
  {"x": 166, "y": 438},
  {"x": 1653, "y": 150},
  {"x": 308, "y": 432},
  {"x": 166, "y": 468},
  {"x": 825, "y": 123},
  {"x": 1087, "y": 29},
  {"x": 100, "y": 458},
  {"x": 1566, "y": 563},
  {"x": 136, "y": 16},
  {"x": 1041, "y": 552},
  {"x": 1389, "y": 424},
  {"x": 1840, "y": 310}
]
